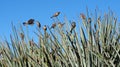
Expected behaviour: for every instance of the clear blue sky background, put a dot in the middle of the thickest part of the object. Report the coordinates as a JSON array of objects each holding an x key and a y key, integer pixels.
[{"x": 18, "y": 11}]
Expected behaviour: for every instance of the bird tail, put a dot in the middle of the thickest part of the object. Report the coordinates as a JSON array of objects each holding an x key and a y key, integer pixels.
[
  {"x": 51, "y": 17},
  {"x": 24, "y": 23}
]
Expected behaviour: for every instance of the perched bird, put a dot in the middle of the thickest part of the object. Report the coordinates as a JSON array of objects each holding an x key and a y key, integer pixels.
[
  {"x": 99, "y": 21},
  {"x": 89, "y": 20},
  {"x": 32, "y": 43},
  {"x": 45, "y": 28},
  {"x": 56, "y": 14},
  {"x": 53, "y": 25},
  {"x": 73, "y": 25},
  {"x": 60, "y": 24},
  {"x": 22, "y": 36},
  {"x": 38, "y": 24},
  {"x": 82, "y": 16},
  {"x": 29, "y": 22}
]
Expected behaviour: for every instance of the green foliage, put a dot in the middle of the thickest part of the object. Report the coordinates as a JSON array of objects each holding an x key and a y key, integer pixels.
[{"x": 98, "y": 45}]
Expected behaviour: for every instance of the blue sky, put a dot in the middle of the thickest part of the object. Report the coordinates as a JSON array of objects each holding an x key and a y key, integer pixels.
[{"x": 18, "y": 11}]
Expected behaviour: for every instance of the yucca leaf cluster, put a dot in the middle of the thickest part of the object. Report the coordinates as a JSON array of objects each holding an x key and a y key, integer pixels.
[{"x": 89, "y": 42}]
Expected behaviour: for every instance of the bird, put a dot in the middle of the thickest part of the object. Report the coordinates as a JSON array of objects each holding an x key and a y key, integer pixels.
[
  {"x": 22, "y": 36},
  {"x": 38, "y": 24},
  {"x": 89, "y": 20},
  {"x": 82, "y": 16},
  {"x": 73, "y": 25},
  {"x": 53, "y": 25},
  {"x": 55, "y": 15},
  {"x": 60, "y": 24},
  {"x": 29, "y": 22},
  {"x": 45, "y": 28}
]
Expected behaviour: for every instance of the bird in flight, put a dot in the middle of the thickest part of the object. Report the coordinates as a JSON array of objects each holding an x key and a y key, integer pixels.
[
  {"x": 55, "y": 15},
  {"x": 29, "y": 22}
]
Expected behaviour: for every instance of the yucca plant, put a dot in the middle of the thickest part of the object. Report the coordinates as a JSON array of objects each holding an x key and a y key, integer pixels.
[{"x": 60, "y": 45}]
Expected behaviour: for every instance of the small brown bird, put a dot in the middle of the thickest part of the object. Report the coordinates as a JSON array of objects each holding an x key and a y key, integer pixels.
[
  {"x": 53, "y": 25},
  {"x": 38, "y": 24},
  {"x": 73, "y": 25},
  {"x": 89, "y": 20},
  {"x": 60, "y": 24},
  {"x": 56, "y": 14},
  {"x": 82, "y": 16},
  {"x": 45, "y": 28},
  {"x": 22, "y": 36},
  {"x": 29, "y": 22},
  {"x": 32, "y": 43},
  {"x": 99, "y": 20}
]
